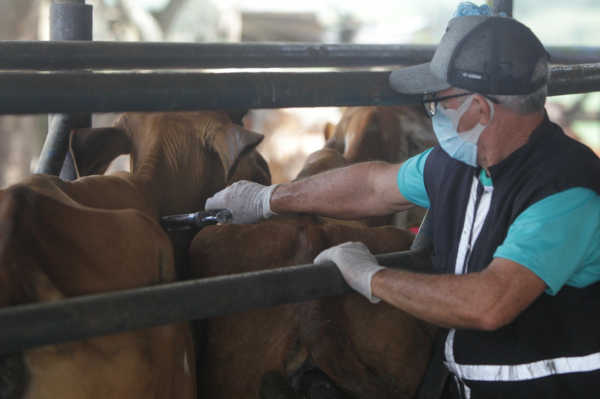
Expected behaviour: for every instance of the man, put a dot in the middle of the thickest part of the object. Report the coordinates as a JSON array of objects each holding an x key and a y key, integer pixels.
[{"x": 515, "y": 206}]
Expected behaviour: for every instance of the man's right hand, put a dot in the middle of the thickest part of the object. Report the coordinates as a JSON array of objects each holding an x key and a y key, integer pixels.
[{"x": 248, "y": 202}]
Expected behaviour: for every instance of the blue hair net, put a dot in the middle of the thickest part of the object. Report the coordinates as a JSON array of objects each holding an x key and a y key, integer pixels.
[{"x": 467, "y": 8}]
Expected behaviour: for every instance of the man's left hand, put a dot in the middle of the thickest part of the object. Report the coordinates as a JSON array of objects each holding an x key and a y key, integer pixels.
[{"x": 356, "y": 264}]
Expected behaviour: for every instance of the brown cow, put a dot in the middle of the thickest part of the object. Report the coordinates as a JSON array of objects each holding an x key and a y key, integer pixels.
[
  {"x": 107, "y": 251},
  {"x": 390, "y": 134},
  {"x": 178, "y": 161},
  {"x": 320, "y": 161},
  {"x": 342, "y": 347}
]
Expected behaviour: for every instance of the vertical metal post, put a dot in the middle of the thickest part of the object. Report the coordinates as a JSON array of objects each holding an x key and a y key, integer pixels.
[
  {"x": 435, "y": 378},
  {"x": 69, "y": 20},
  {"x": 505, "y": 6},
  {"x": 424, "y": 238}
]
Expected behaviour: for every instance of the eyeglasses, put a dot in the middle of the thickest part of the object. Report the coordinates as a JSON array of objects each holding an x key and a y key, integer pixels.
[{"x": 429, "y": 101}]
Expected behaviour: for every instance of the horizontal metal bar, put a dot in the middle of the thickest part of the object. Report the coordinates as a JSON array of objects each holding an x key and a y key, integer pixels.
[
  {"x": 120, "y": 56},
  {"x": 73, "y": 319},
  {"x": 31, "y": 93},
  {"x": 79, "y": 92},
  {"x": 574, "y": 79},
  {"x": 54, "y": 56}
]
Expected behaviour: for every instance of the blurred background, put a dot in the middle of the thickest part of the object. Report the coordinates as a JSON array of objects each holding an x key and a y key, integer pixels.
[{"x": 291, "y": 133}]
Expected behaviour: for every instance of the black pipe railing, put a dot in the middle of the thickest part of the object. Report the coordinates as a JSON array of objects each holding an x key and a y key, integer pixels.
[
  {"x": 69, "y": 20},
  {"x": 574, "y": 79},
  {"x": 56, "y": 56},
  {"x": 72, "y": 319},
  {"x": 31, "y": 93}
]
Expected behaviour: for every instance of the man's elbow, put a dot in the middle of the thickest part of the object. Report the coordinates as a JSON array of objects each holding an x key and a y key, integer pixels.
[{"x": 492, "y": 319}]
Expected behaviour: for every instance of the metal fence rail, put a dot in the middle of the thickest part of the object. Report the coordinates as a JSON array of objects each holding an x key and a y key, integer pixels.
[
  {"x": 45, "y": 93},
  {"x": 55, "y": 56},
  {"x": 115, "y": 55},
  {"x": 40, "y": 324},
  {"x": 31, "y": 93},
  {"x": 574, "y": 79}
]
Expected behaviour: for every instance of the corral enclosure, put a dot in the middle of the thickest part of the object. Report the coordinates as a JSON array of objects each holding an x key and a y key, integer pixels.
[{"x": 291, "y": 133}]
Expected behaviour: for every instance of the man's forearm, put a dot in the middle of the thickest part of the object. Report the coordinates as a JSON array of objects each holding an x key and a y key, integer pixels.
[
  {"x": 346, "y": 193},
  {"x": 438, "y": 299},
  {"x": 485, "y": 300}
]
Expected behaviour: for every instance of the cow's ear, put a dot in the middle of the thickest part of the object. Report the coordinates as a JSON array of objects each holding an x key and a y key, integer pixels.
[
  {"x": 93, "y": 149},
  {"x": 233, "y": 143},
  {"x": 237, "y": 115},
  {"x": 328, "y": 131}
]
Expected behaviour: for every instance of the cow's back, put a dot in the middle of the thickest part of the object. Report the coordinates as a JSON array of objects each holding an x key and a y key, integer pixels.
[
  {"x": 51, "y": 249},
  {"x": 367, "y": 350}
]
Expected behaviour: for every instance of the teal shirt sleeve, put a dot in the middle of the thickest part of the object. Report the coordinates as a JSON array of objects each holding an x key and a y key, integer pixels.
[
  {"x": 410, "y": 180},
  {"x": 558, "y": 238}
]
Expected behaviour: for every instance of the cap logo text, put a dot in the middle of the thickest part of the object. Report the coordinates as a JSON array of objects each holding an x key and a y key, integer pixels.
[{"x": 471, "y": 75}]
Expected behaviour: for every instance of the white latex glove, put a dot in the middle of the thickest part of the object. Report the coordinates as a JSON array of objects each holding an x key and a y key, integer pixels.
[
  {"x": 356, "y": 264},
  {"x": 248, "y": 202}
]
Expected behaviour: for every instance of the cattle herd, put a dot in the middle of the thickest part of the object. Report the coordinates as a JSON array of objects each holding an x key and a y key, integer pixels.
[{"x": 100, "y": 233}]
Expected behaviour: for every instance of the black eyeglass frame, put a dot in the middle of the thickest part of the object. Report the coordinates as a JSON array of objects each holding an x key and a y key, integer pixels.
[{"x": 436, "y": 100}]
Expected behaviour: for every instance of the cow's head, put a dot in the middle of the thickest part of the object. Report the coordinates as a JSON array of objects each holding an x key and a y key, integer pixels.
[
  {"x": 391, "y": 134},
  {"x": 182, "y": 158}
]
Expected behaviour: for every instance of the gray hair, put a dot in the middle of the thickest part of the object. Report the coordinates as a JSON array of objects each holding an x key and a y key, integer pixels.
[{"x": 528, "y": 103}]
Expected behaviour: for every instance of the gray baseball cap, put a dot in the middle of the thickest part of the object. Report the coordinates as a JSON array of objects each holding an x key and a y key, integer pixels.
[{"x": 484, "y": 54}]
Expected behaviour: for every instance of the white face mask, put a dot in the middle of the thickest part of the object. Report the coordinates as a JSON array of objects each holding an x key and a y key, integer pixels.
[{"x": 461, "y": 146}]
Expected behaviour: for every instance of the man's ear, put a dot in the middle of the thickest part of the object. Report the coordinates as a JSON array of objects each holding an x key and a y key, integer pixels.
[
  {"x": 233, "y": 142},
  {"x": 485, "y": 111},
  {"x": 93, "y": 149}
]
